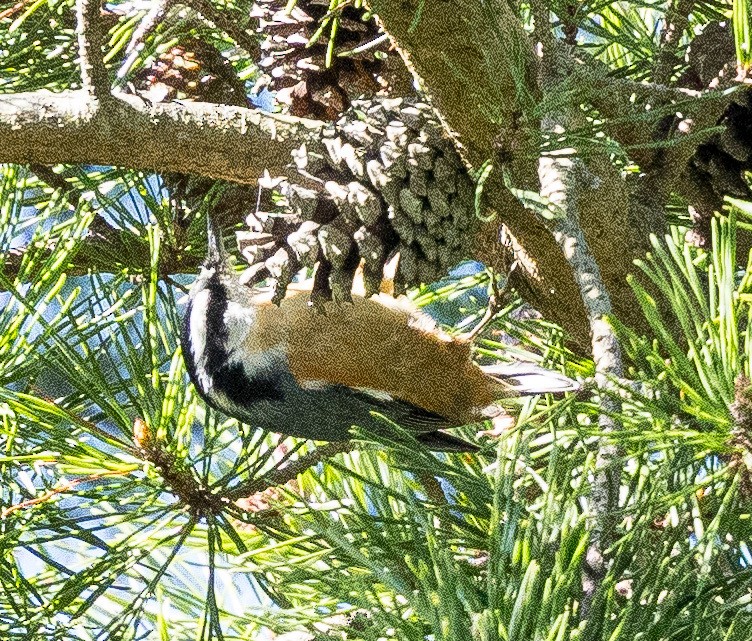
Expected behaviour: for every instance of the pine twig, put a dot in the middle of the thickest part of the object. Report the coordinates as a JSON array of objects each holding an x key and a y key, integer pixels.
[
  {"x": 291, "y": 471},
  {"x": 564, "y": 182},
  {"x": 677, "y": 21},
  {"x": 202, "y": 500},
  {"x": 10, "y": 12},
  {"x": 90, "y": 40},
  {"x": 60, "y": 488},
  {"x": 46, "y": 174},
  {"x": 495, "y": 305}
]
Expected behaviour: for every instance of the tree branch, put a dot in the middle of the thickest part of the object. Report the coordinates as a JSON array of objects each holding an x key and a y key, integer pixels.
[
  {"x": 90, "y": 36},
  {"x": 289, "y": 472},
  {"x": 202, "y": 499},
  {"x": 222, "y": 142},
  {"x": 106, "y": 249},
  {"x": 562, "y": 180},
  {"x": 486, "y": 83},
  {"x": 11, "y": 11},
  {"x": 486, "y": 60},
  {"x": 542, "y": 23},
  {"x": 56, "y": 181},
  {"x": 484, "y": 79},
  {"x": 566, "y": 183}
]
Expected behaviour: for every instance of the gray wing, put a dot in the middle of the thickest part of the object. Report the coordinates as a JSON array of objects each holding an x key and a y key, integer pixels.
[{"x": 413, "y": 418}]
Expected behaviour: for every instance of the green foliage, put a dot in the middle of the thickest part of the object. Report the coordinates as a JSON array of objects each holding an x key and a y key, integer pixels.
[
  {"x": 742, "y": 23},
  {"x": 130, "y": 511},
  {"x": 694, "y": 375},
  {"x": 39, "y": 48},
  {"x": 102, "y": 537},
  {"x": 39, "y": 42}
]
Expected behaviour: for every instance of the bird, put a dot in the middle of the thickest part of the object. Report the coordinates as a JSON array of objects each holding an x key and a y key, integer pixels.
[{"x": 301, "y": 371}]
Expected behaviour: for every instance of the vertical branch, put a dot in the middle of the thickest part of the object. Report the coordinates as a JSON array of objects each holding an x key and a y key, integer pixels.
[
  {"x": 563, "y": 180},
  {"x": 570, "y": 25},
  {"x": 90, "y": 39},
  {"x": 604, "y": 493},
  {"x": 542, "y": 23}
]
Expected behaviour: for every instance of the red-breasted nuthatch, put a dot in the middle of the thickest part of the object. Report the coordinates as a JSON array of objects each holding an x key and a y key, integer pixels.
[{"x": 295, "y": 370}]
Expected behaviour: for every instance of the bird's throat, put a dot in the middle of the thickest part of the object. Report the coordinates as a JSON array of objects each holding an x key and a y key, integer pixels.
[{"x": 214, "y": 330}]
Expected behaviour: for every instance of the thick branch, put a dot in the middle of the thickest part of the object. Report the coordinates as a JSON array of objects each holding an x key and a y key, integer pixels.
[
  {"x": 484, "y": 80},
  {"x": 660, "y": 126},
  {"x": 220, "y": 142},
  {"x": 485, "y": 74},
  {"x": 664, "y": 167},
  {"x": 630, "y": 108}
]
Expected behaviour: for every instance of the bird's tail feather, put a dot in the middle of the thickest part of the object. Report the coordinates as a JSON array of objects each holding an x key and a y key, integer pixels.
[{"x": 520, "y": 378}]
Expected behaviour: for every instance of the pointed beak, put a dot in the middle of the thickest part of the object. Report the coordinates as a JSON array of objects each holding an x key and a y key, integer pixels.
[{"x": 215, "y": 252}]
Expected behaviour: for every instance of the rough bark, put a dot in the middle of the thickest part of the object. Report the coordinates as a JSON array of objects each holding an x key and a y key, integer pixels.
[
  {"x": 570, "y": 183},
  {"x": 217, "y": 141}
]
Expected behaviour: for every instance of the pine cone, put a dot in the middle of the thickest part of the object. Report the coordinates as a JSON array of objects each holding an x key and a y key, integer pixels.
[
  {"x": 295, "y": 57},
  {"x": 191, "y": 70},
  {"x": 719, "y": 164},
  {"x": 391, "y": 181},
  {"x": 718, "y": 167}
]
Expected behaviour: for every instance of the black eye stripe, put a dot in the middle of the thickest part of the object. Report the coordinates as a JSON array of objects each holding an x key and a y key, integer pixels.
[
  {"x": 239, "y": 385},
  {"x": 216, "y": 330}
]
